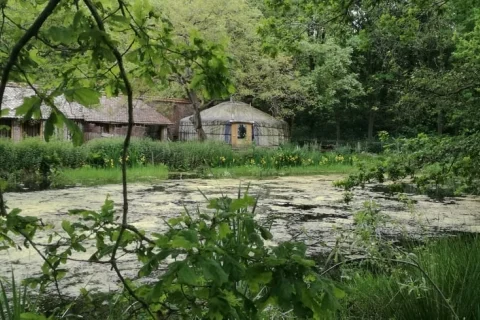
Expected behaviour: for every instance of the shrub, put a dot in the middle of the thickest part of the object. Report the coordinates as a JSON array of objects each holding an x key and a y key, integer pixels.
[{"x": 438, "y": 166}]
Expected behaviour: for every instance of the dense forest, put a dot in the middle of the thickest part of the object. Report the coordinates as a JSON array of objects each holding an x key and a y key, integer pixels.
[{"x": 341, "y": 70}]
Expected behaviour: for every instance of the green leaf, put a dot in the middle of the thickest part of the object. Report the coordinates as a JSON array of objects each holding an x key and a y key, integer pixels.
[
  {"x": 181, "y": 242},
  {"x": 75, "y": 131},
  {"x": 77, "y": 19},
  {"x": 257, "y": 276},
  {"x": 153, "y": 263},
  {"x": 267, "y": 235},
  {"x": 118, "y": 20},
  {"x": 338, "y": 293},
  {"x": 186, "y": 239},
  {"x": 61, "y": 34},
  {"x": 31, "y": 105},
  {"x": 32, "y": 316},
  {"x": 197, "y": 81},
  {"x": 50, "y": 126},
  {"x": 4, "y": 112},
  {"x": 186, "y": 275},
  {"x": 78, "y": 247},
  {"x": 67, "y": 226},
  {"x": 302, "y": 261},
  {"x": 61, "y": 273},
  {"x": 45, "y": 268},
  {"x": 223, "y": 230},
  {"x": 238, "y": 204},
  {"x": 84, "y": 96},
  {"x": 212, "y": 271}
]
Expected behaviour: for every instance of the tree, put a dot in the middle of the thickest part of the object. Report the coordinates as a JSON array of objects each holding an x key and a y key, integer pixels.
[
  {"x": 87, "y": 44},
  {"x": 322, "y": 59},
  {"x": 331, "y": 84},
  {"x": 271, "y": 82},
  {"x": 226, "y": 270}
]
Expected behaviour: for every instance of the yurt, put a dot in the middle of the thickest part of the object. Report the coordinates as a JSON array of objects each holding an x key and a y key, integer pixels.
[{"x": 238, "y": 124}]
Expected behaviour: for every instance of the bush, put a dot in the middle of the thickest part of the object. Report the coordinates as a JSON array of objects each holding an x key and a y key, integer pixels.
[{"x": 437, "y": 166}]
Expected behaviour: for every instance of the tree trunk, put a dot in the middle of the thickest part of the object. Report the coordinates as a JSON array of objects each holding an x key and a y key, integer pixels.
[
  {"x": 197, "y": 119},
  {"x": 31, "y": 32},
  {"x": 291, "y": 124},
  {"x": 371, "y": 120},
  {"x": 440, "y": 122}
]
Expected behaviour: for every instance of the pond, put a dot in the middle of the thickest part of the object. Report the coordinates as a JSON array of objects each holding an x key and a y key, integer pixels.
[{"x": 306, "y": 208}]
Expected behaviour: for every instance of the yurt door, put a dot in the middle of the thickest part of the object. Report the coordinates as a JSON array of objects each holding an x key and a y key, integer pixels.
[{"x": 241, "y": 134}]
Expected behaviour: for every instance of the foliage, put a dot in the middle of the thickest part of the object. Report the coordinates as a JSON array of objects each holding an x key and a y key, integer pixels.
[
  {"x": 219, "y": 263},
  {"x": 271, "y": 82},
  {"x": 37, "y": 164},
  {"x": 405, "y": 67},
  {"x": 404, "y": 293},
  {"x": 88, "y": 176},
  {"x": 16, "y": 302},
  {"x": 438, "y": 166}
]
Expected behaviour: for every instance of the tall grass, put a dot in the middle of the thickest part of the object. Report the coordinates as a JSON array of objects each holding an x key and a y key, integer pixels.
[
  {"x": 88, "y": 176},
  {"x": 15, "y": 302},
  {"x": 30, "y": 154},
  {"x": 453, "y": 264}
]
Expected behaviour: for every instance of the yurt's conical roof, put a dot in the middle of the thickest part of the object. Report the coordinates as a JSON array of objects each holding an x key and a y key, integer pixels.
[{"x": 236, "y": 111}]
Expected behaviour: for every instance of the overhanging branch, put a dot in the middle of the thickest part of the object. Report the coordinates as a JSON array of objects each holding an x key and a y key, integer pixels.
[{"x": 12, "y": 58}]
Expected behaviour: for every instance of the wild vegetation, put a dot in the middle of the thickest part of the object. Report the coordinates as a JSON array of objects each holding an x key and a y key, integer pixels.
[
  {"x": 438, "y": 166},
  {"x": 34, "y": 164},
  {"x": 333, "y": 69}
]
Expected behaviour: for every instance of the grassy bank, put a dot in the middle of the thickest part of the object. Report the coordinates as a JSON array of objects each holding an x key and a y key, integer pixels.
[
  {"x": 404, "y": 292},
  {"x": 88, "y": 176},
  {"x": 36, "y": 165}
]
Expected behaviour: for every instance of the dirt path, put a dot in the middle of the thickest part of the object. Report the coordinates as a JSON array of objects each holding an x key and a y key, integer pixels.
[{"x": 307, "y": 208}]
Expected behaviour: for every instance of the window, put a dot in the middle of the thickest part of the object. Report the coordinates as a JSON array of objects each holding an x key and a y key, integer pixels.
[
  {"x": 105, "y": 128},
  {"x": 242, "y": 131},
  {"x": 31, "y": 128}
]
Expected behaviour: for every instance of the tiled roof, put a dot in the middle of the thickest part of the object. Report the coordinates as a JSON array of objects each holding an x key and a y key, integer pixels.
[
  {"x": 110, "y": 110},
  {"x": 169, "y": 100},
  {"x": 114, "y": 110}
]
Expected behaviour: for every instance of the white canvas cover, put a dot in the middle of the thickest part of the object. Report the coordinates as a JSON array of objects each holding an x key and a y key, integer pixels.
[{"x": 216, "y": 122}]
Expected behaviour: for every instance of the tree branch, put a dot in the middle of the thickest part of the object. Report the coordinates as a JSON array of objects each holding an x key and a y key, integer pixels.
[
  {"x": 12, "y": 58},
  {"x": 128, "y": 87},
  {"x": 52, "y": 267}
]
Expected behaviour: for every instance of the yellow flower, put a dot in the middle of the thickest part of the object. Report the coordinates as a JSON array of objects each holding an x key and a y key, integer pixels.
[{"x": 323, "y": 161}]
